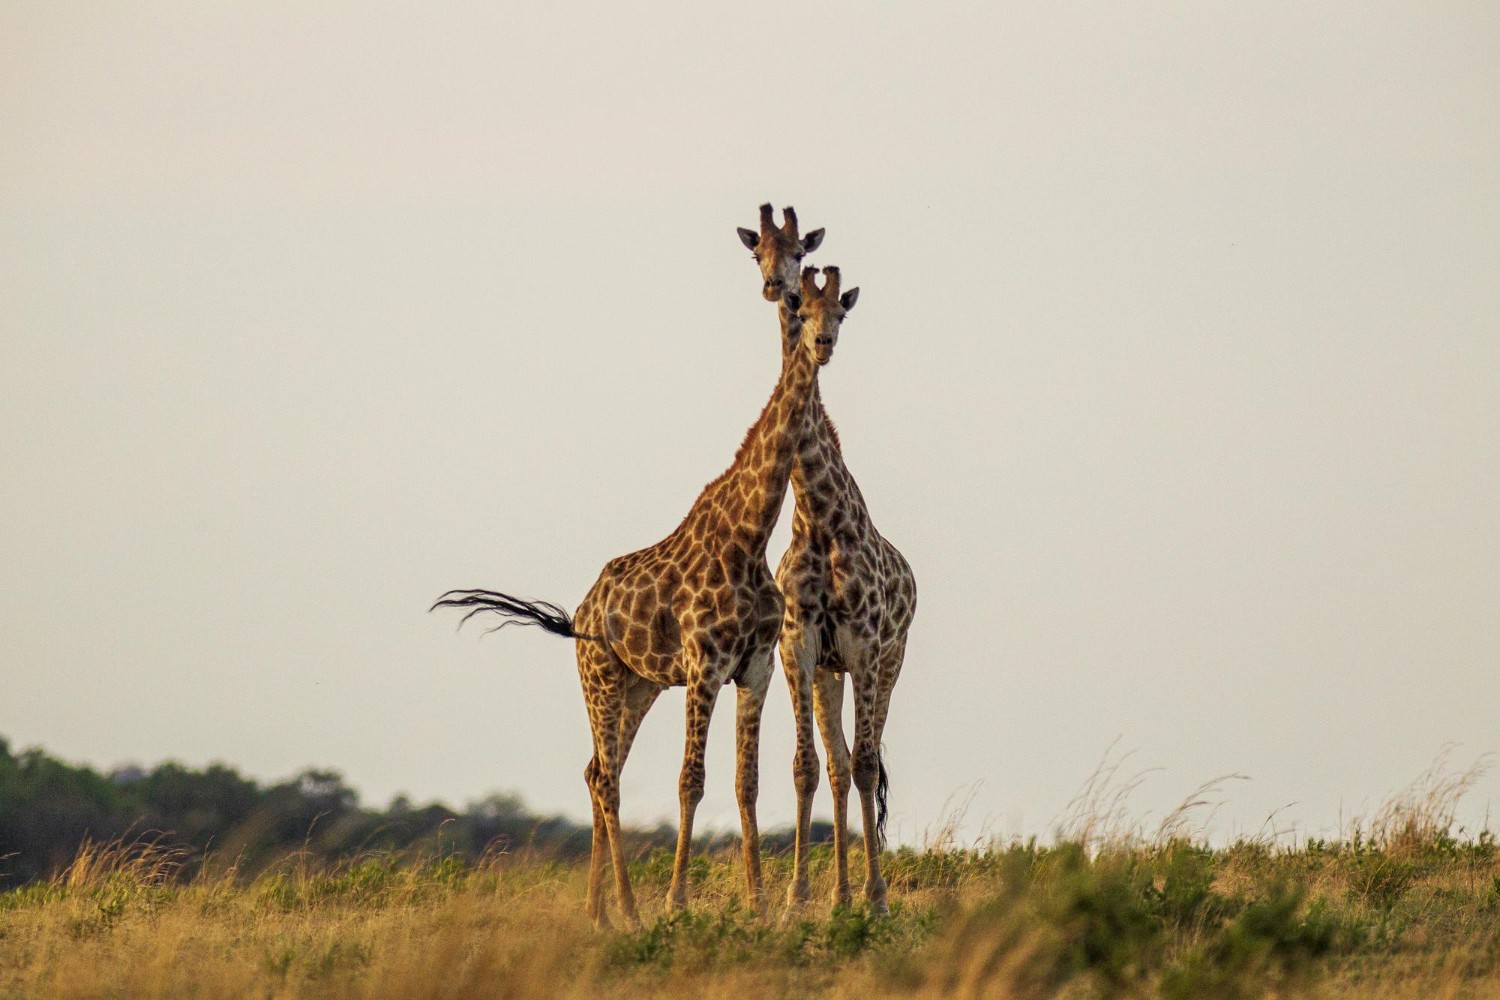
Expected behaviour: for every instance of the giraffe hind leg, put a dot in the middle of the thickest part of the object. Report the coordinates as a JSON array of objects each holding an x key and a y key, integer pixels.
[
  {"x": 828, "y": 704},
  {"x": 867, "y": 775},
  {"x": 890, "y": 672},
  {"x": 640, "y": 695},
  {"x": 604, "y": 682},
  {"x": 595, "y": 905}
]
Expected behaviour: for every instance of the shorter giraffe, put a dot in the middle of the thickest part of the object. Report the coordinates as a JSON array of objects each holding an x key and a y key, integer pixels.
[
  {"x": 850, "y": 598},
  {"x": 698, "y": 609}
]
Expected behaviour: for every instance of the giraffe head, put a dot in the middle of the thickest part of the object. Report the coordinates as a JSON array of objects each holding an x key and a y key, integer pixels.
[
  {"x": 820, "y": 311},
  {"x": 779, "y": 250}
]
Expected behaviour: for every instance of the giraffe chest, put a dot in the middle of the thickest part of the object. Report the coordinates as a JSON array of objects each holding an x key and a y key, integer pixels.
[{"x": 832, "y": 590}]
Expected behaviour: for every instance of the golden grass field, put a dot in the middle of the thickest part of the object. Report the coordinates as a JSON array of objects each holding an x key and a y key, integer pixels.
[
  {"x": 1401, "y": 905},
  {"x": 1413, "y": 919}
]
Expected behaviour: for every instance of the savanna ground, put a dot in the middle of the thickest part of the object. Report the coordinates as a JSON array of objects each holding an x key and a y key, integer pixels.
[{"x": 1401, "y": 906}]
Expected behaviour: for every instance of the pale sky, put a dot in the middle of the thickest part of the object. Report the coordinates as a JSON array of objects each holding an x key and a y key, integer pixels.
[{"x": 1175, "y": 375}]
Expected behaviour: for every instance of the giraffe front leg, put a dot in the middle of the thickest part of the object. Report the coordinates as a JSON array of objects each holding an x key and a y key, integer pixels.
[
  {"x": 750, "y": 700},
  {"x": 797, "y": 659},
  {"x": 828, "y": 703},
  {"x": 701, "y": 696}
]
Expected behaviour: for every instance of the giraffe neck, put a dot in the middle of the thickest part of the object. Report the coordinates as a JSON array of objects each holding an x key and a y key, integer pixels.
[
  {"x": 820, "y": 480},
  {"x": 752, "y": 489}
]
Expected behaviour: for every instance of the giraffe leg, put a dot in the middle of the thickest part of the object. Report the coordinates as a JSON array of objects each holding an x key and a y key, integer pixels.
[
  {"x": 701, "y": 695},
  {"x": 750, "y": 700},
  {"x": 595, "y": 904},
  {"x": 640, "y": 695},
  {"x": 890, "y": 672},
  {"x": 866, "y": 771},
  {"x": 604, "y": 679},
  {"x": 828, "y": 702},
  {"x": 797, "y": 659}
]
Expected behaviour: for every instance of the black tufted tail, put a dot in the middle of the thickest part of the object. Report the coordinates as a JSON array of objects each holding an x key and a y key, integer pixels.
[{"x": 513, "y": 611}]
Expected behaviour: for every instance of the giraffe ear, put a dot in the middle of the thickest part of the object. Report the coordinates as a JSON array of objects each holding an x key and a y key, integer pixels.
[
  {"x": 812, "y": 241},
  {"x": 848, "y": 299},
  {"x": 749, "y": 237},
  {"x": 792, "y": 301}
]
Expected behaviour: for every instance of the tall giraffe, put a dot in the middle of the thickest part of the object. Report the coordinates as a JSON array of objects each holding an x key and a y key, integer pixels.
[
  {"x": 850, "y": 597},
  {"x": 697, "y": 609}
]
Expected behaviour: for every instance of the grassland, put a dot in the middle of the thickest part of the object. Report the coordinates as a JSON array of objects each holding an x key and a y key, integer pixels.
[
  {"x": 1402, "y": 905},
  {"x": 1409, "y": 913}
]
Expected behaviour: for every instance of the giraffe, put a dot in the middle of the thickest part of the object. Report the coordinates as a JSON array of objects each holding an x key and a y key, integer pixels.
[
  {"x": 778, "y": 250},
  {"x": 850, "y": 596},
  {"x": 697, "y": 609}
]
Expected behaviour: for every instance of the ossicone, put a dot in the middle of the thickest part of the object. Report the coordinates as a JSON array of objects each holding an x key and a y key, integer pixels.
[
  {"x": 767, "y": 219},
  {"x": 831, "y": 278},
  {"x": 810, "y": 281}
]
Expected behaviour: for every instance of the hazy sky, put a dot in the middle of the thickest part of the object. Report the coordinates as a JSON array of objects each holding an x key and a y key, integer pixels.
[{"x": 1175, "y": 375}]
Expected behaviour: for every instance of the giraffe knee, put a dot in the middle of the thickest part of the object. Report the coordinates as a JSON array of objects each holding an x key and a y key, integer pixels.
[
  {"x": 690, "y": 784},
  {"x": 838, "y": 776},
  {"x": 603, "y": 785},
  {"x": 805, "y": 773}
]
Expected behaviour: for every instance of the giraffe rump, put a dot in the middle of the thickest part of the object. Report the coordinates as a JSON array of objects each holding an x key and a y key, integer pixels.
[{"x": 512, "y": 610}]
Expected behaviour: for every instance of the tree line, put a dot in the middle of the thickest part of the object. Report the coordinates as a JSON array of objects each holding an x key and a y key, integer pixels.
[{"x": 50, "y": 808}]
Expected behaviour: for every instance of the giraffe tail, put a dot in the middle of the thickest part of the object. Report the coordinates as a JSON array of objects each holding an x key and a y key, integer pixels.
[
  {"x": 512, "y": 611},
  {"x": 882, "y": 795}
]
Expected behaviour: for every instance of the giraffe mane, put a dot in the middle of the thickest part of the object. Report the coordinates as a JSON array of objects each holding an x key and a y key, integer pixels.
[
  {"x": 833, "y": 433},
  {"x": 739, "y": 453}
]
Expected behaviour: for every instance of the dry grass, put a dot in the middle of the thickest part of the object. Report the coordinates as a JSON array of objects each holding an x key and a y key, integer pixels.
[
  {"x": 1175, "y": 921},
  {"x": 1423, "y": 812},
  {"x": 1408, "y": 909}
]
